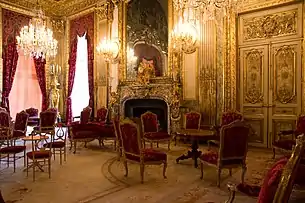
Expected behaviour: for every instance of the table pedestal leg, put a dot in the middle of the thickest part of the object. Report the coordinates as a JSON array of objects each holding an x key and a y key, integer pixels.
[{"x": 193, "y": 153}]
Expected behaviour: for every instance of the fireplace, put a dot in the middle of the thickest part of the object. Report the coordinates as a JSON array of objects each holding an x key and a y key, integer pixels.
[{"x": 136, "y": 107}]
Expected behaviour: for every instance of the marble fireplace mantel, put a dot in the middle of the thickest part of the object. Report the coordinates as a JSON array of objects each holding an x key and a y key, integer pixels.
[{"x": 164, "y": 90}]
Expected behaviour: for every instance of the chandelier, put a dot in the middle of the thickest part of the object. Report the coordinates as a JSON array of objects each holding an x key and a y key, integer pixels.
[
  {"x": 184, "y": 37},
  {"x": 36, "y": 39},
  {"x": 109, "y": 49}
]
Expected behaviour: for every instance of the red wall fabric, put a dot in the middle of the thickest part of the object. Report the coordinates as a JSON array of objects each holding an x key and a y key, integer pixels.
[{"x": 78, "y": 27}]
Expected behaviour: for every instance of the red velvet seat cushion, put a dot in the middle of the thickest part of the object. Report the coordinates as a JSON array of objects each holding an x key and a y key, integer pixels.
[
  {"x": 38, "y": 154},
  {"x": 98, "y": 122},
  {"x": 85, "y": 134},
  {"x": 12, "y": 149},
  {"x": 157, "y": 135},
  {"x": 212, "y": 158},
  {"x": 56, "y": 144},
  {"x": 284, "y": 144},
  {"x": 271, "y": 181},
  {"x": 149, "y": 155}
]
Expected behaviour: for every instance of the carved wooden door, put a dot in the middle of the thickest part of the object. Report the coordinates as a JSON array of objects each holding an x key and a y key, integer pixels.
[
  {"x": 270, "y": 69},
  {"x": 254, "y": 89},
  {"x": 285, "y": 97}
]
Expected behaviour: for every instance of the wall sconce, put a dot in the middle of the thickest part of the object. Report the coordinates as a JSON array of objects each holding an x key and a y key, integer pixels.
[
  {"x": 109, "y": 49},
  {"x": 184, "y": 37}
]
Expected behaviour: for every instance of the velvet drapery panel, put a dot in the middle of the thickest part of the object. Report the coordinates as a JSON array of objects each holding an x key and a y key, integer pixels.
[
  {"x": 78, "y": 27},
  {"x": 12, "y": 23},
  {"x": 41, "y": 76}
]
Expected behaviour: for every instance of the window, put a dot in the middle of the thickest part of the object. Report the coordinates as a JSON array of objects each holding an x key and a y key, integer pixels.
[
  {"x": 25, "y": 91},
  {"x": 80, "y": 92}
]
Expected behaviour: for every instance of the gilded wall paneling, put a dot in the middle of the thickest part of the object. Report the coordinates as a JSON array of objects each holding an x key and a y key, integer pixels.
[
  {"x": 207, "y": 72},
  {"x": 66, "y": 61},
  {"x": 189, "y": 75}
]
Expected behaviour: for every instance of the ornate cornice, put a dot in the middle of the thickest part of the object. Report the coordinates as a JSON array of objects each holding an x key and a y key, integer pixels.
[{"x": 54, "y": 8}]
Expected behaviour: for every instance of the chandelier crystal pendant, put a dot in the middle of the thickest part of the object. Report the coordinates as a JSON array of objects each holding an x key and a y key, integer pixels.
[
  {"x": 109, "y": 49},
  {"x": 36, "y": 39}
]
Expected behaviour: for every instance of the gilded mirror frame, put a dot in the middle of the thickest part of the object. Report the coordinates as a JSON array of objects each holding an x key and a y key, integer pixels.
[{"x": 122, "y": 32}]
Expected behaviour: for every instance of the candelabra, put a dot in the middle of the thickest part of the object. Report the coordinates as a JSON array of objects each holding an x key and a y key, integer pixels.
[{"x": 55, "y": 72}]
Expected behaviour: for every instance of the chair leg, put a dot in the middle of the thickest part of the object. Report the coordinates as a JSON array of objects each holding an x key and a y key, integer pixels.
[
  {"x": 244, "y": 170},
  {"x": 27, "y": 167},
  {"x": 54, "y": 153},
  {"x": 230, "y": 172},
  {"x": 65, "y": 153},
  {"x": 74, "y": 147},
  {"x": 201, "y": 170},
  {"x": 169, "y": 145},
  {"x": 142, "y": 172},
  {"x": 34, "y": 166},
  {"x": 49, "y": 165},
  {"x": 164, "y": 169},
  {"x": 126, "y": 168},
  {"x": 151, "y": 144},
  {"x": 60, "y": 156},
  {"x": 273, "y": 149},
  {"x": 175, "y": 140},
  {"x": 218, "y": 176},
  {"x": 14, "y": 162},
  {"x": 157, "y": 144},
  {"x": 24, "y": 159},
  {"x": 71, "y": 144}
]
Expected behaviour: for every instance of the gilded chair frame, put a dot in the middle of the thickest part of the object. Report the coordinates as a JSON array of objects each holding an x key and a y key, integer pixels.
[
  {"x": 154, "y": 140},
  {"x": 142, "y": 163},
  {"x": 219, "y": 165}
]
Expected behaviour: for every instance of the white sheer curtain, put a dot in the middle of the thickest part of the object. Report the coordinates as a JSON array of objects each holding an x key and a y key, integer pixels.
[{"x": 80, "y": 92}]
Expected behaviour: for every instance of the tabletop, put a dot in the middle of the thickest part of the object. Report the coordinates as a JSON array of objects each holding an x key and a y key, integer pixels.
[
  {"x": 196, "y": 133},
  {"x": 35, "y": 138}
]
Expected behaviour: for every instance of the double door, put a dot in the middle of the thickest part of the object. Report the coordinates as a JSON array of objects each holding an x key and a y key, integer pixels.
[{"x": 270, "y": 88}]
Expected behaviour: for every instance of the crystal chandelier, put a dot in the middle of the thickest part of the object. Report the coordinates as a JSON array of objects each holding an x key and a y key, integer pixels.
[
  {"x": 36, "y": 39},
  {"x": 184, "y": 36},
  {"x": 109, "y": 49}
]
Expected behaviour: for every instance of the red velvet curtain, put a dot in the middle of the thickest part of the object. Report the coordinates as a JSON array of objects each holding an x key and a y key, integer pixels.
[
  {"x": 79, "y": 27},
  {"x": 41, "y": 76},
  {"x": 12, "y": 23}
]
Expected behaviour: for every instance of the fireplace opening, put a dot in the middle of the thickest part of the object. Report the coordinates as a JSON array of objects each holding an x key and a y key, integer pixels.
[{"x": 137, "y": 107}]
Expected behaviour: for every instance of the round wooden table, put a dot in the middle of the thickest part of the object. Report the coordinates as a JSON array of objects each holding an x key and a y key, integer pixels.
[{"x": 195, "y": 136}]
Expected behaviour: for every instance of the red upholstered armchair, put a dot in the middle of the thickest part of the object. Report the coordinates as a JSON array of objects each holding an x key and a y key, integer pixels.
[
  {"x": 133, "y": 150},
  {"x": 191, "y": 120},
  {"x": 33, "y": 116},
  {"x": 227, "y": 118},
  {"x": 280, "y": 179},
  {"x": 287, "y": 138},
  {"x": 151, "y": 131},
  {"x": 8, "y": 139},
  {"x": 101, "y": 116},
  {"x": 47, "y": 120},
  {"x": 84, "y": 116},
  {"x": 20, "y": 125},
  {"x": 232, "y": 152}
]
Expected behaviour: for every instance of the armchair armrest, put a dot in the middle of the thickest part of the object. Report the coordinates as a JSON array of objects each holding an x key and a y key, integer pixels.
[{"x": 232, "y": 191}]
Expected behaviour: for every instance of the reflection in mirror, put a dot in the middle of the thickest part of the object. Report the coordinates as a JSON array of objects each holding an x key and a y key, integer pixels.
[{"x": 147, "y": 36}]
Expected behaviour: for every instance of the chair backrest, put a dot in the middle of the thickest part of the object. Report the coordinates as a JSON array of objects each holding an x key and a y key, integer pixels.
[
  {"x": 47, "y": 120},
  {"x": 234, "y": 142},
  {"x": 149, "y": 122},
  {"x": 192, "y": 120},
  {"x": 85, "y": 115},
  {"x": 300, "y": 125},
  {"x": 32, "y": 112},
  {"x": 4, "y": 119},
  {"x": 53, "y": 109},
  {"x": 130, "y": 136},
  {"x": 101, "y": 114},
  {"x": 21, "y": 121},
  {"x": 230, "y": 116}
]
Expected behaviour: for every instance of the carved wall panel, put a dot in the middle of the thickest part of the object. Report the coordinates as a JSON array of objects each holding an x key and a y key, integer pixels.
[
  {"x": 189, "y": 75},
  {"x": 284, "y": 74},
  {"x": 253, "y": 81}
]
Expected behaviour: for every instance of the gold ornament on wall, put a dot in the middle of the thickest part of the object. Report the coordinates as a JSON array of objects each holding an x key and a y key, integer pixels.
[{"x": 55, "y": 72}]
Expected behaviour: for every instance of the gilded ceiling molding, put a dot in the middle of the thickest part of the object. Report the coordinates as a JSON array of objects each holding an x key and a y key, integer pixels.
[
  {"x": 82, "y": 13},
  {"x": 250, "y": 5},
  {"x": 16, "y": 9}
]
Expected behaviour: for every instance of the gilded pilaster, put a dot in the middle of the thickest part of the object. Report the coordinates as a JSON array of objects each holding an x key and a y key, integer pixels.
[{"x": 66, "y": 63}]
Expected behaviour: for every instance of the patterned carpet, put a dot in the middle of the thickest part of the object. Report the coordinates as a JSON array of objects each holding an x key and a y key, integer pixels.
[{"x": 95, "y": 175}]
